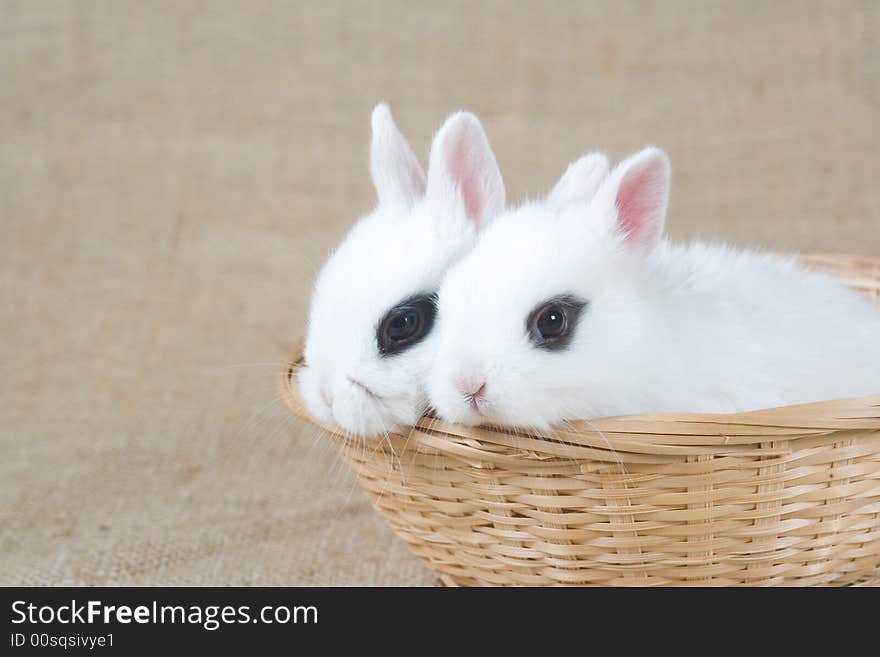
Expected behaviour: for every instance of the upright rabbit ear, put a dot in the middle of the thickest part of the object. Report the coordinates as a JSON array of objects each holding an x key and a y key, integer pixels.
[
  {"x": 397, "y": 174},
  {"x": 462, "y": 171},
  {"x": 580, "y": 181},
  {"x": 638, "y": 188}
]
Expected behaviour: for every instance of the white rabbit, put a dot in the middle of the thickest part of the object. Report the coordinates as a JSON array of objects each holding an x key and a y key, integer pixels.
[
  {"x": 369, "y": 338},
  {"x": 569, "y": 309}
]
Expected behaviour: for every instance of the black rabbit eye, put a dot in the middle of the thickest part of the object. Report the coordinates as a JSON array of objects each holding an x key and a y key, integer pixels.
[
  {"x": 551, "y": 324},
  {"x": 406, "y": 324}
]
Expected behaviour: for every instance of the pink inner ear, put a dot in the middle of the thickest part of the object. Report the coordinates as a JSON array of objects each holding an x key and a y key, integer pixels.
[
  {"x": 463, "y": 172},
  {"x": 639, "y": 204}
]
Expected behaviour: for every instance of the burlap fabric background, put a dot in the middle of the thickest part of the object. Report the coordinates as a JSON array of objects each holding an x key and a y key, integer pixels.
[{"x": 171, "y": 175}]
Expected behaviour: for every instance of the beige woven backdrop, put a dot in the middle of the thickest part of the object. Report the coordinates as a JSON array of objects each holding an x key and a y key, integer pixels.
[{"x": 171, "y": 175}]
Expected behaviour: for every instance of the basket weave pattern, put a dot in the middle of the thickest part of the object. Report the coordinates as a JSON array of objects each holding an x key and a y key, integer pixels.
[{"x": 784, "y": 496}]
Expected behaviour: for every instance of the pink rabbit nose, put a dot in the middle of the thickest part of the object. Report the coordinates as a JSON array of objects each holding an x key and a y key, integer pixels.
[{"x": 473, "y": 391}]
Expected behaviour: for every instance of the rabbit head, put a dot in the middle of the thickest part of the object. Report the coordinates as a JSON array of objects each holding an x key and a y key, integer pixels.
[
  {"x": 544, "y": 319},
  {"x": 370, "y": 338}
]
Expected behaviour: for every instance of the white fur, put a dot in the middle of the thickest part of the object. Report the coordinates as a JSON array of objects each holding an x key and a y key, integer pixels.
[
  {"x": 580, "y": 181},
  {"x": 400, "y": 249},
  {"x": 668, "y": 328}
]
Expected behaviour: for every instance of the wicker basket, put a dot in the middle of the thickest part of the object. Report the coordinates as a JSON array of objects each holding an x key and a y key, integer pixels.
[{"x": 785, "y": 496}]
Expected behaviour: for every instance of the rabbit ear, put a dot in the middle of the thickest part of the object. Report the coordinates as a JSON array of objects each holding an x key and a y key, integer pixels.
[
  {"x": 639, "y": 190},
  {"x": 397, "y": 174},
  {"x": 580, "y": 181},
  {"x": 462, "y": 171}
]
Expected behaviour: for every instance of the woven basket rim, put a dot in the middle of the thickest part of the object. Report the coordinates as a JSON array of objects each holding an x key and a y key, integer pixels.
[{"x": 678, "y": 434}]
